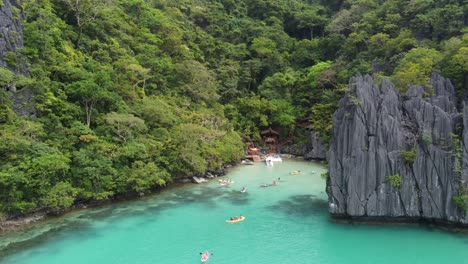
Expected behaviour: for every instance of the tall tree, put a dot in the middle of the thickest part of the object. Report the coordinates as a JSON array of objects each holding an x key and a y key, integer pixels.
[{"x": 85, "y": 12}]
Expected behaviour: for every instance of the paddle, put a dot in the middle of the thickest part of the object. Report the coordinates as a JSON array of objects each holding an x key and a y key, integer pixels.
[{"x": 210, "y": 253}]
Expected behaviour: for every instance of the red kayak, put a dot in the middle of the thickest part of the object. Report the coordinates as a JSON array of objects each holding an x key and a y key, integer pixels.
[{"x": 205, "y": 256}]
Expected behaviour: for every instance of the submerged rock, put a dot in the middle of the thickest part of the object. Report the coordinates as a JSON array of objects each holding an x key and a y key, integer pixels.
[{"x": 398, "y": 156}]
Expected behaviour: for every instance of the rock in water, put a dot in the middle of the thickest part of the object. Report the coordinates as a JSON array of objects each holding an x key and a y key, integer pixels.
[{"x": 379, "y": 133}]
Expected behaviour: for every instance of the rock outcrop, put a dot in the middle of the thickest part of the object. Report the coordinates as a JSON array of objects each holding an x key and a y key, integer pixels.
[
  {"x": 314, "y": 149},
  {"x": 11, "y": 35},
  {"x": 11, "y": 43},
  {"x": 398, "y": 156}
]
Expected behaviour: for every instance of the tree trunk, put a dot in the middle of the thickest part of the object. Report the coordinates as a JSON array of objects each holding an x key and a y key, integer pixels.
[
  {"x": 88, "y": 109},
  {"x": 78, "y": 37}
]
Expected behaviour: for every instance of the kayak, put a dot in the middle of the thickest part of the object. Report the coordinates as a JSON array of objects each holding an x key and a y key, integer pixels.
[
  {"x": 242, "y": 218},
  {"x": 205, "y": 256}
]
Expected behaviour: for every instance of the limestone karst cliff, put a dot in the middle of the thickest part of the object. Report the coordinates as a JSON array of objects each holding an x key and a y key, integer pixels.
[
  {"x": 11, "y": 35},
  {"x": 398, "y": 156},
  {"x": 11, "y": 44}
]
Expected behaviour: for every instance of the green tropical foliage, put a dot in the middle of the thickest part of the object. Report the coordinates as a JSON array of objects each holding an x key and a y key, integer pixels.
[
  {"x": 131, "y": 94},
  {"x": 395, "y": 180}
]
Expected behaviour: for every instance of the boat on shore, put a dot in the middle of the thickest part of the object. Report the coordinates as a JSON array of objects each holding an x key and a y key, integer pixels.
[{"x": 276, "y": 158}]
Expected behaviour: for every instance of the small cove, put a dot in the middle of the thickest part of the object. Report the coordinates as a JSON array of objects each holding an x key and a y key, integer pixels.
[{"x": 287, "y": 223}]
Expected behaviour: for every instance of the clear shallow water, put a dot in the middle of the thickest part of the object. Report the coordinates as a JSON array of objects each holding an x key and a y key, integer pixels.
[{"x": 288, "y": 223}]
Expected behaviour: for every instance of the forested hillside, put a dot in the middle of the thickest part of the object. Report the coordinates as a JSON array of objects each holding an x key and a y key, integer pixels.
[{"x": 124, "y": 96}]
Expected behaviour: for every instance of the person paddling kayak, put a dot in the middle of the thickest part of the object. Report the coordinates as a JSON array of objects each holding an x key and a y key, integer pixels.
[{"x": 205, "y": 256}]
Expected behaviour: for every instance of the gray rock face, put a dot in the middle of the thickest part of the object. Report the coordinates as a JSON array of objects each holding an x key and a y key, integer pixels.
[
  {"x": 11, "y": 42},
  {"x": 11, "y": 33},
  {"x": 314, "y": 149},
  {"x": 374, "y": 131}
]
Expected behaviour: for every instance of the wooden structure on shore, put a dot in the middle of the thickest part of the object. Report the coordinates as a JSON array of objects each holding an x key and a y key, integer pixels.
[
  {"x": 270, "y": 139},
  {"x": 253, "y": 153}
]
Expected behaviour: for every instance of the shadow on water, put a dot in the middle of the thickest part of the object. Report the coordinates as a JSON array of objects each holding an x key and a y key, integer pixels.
[
  {"x": 235, "y": 197},
  {"x": 301, "y": 205},
  {"x": 84, "y": 223}
]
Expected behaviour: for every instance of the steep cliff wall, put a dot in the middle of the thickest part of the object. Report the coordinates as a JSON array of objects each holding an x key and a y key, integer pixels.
[
  {"x": 11, "y": 35},
  {"x": 398, "y": 156},
  {"x": 11, "y": 42}
]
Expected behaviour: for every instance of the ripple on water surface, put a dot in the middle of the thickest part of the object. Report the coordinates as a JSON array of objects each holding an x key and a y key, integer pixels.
[{"x": 287, "y": 223}]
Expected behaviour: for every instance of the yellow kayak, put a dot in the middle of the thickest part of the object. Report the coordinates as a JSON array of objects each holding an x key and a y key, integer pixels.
[{"x": 236, "y": 220}]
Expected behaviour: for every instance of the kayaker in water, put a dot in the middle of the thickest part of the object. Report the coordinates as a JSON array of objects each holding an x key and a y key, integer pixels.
[
  {"x": 243, "y": 189},
  {"x": 274, "y": 183}
]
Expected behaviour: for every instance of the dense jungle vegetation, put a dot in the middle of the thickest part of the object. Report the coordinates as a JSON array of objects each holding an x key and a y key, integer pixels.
[{"x": 131, "y": 94}]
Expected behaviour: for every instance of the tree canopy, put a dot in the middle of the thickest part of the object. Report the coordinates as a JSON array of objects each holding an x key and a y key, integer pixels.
[{"x": 132, "y": 94}]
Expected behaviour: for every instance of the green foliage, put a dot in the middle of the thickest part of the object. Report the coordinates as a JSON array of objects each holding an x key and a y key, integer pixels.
[
  {"x": 409, "y": 155},
  {"x": 119, "y": 85},
  {"x": 427, "y": 137},
  {"x": 197, "y": 81},
  {"x": 457, "y": 154},
  {"x": 395, "y": 180},
  {"x": 325, "y": 175},
  {"x": 321, "y": 120},
  {"x": 315, "y": 71},
  {"x": 60, "y": 197},
  {"x": 263, "y": 46},
  {"x": 278, "y": 86},
  {"x": 460, "y": 199},
  {"x": 124, "y": 125},
  {"x": 143, "y": 176},
  {"x": 6, "y": 77},
  {"x": 415, "y": 68}
]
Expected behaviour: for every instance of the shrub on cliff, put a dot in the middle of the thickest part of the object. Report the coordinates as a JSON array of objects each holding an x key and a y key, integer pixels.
[{"x": 395, "y": 180}]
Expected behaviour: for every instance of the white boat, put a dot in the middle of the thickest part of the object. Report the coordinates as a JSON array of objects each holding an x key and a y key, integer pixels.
[{"x": 276, "y": 157}]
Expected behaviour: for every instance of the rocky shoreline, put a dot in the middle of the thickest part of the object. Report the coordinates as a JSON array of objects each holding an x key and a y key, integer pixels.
[{"x": 15, "y": 223}]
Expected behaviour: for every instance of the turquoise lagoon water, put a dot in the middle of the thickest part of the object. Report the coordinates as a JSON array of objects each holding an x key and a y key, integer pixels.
[{"x": 287, "y": 223}]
